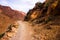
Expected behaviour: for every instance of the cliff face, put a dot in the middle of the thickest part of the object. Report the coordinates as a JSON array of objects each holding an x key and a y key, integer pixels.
[
  {"x": 9, "y": 16},
  {"x": 44, "y": 18},
  {"x": 44, "y": 11}
]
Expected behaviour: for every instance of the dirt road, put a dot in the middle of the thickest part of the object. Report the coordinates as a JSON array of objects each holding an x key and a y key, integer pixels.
[{"x": 24, "y": 32}]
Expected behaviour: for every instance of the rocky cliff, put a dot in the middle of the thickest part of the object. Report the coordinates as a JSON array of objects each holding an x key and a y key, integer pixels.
[
  {"x": 45, "y": 20},
  {"x": 44, "y": 11}
]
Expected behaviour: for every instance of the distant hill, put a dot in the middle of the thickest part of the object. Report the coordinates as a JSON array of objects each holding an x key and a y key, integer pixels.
[
  {"x": 13, "y": 14},
  {"x": 8, "y": 16}
]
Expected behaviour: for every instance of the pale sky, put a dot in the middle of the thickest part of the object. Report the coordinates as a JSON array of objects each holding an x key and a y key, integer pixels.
[{"x": 21, "y": 5}]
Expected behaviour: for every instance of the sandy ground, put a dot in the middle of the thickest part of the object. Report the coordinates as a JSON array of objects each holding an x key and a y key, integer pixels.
[{"x": 24, "y": 32}]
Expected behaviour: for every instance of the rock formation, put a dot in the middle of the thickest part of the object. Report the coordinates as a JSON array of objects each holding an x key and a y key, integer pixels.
[
  {"x": 45, "y": 20},
  {"x": 42, "y": 12}
]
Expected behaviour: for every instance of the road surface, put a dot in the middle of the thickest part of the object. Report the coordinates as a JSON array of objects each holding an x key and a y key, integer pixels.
[{"x": 24, "y": 32}]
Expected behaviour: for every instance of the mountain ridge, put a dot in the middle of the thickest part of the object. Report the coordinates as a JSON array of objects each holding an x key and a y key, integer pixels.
[{"x": 8, "y": 16}]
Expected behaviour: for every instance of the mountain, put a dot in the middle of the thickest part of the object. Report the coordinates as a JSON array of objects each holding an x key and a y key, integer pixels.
[
  {"x": 9, "y": 16},
  {"x": 14, "y": 14}
]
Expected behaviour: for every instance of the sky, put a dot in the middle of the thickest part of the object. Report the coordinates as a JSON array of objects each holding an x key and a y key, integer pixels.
[{"x": 21, "y": 5}]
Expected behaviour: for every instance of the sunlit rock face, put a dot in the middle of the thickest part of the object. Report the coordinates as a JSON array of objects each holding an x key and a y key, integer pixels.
[
  {"x": 44, "y": 11},
  {"x": 9, "y": 16},
  {"x": 44, "y": 20}
]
